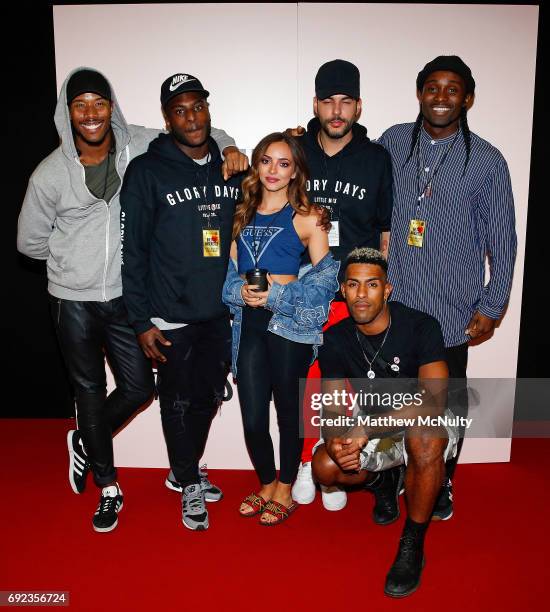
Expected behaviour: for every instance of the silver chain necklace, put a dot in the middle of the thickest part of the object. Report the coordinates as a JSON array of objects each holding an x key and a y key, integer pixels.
[{"x": 370, "y": 372}]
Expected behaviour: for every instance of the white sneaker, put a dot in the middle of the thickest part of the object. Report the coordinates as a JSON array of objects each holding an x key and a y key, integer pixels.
[
  {"x": 303, "y": 490},
  {"x": 334, "y": 498}
]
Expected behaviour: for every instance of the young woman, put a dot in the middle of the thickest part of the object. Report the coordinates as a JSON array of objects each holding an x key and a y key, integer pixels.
[{"x": 274, "y": 330}]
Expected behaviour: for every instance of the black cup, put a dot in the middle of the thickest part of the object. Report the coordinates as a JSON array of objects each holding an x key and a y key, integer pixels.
[{"x": 257, "y": 276}]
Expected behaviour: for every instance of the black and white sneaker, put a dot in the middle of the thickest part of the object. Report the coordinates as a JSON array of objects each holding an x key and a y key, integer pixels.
[
  {"x": 78, "y": 461},
  {"x": 212, "y": 493},
  {"x": 443, "y": 509},
  {"x": 194, "y": 514},
  {"x": 110, "y": 504}
]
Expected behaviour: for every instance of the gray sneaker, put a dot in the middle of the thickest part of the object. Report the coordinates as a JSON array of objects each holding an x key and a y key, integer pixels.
[
  {"x": 212, "y": 493},
  {"x": 194, "y": 513}
]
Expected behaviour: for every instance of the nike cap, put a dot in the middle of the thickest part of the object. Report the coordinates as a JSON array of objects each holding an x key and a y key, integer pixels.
[
  {"x": 337, "y": 77},
  {"x": 180, "y": 83},
  {"x": 87, "y": 81}
]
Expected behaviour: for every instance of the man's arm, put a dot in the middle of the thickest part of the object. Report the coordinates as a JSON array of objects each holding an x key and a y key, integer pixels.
[
  {"x": 137, "y": 222},
  {"x": 234, "y": 161},
  {"x": 496, "y": 209},
  {"x": 385, "y": 205},
  {"x": 36, "y": 219},
  {"x": 385, "y": 243}
]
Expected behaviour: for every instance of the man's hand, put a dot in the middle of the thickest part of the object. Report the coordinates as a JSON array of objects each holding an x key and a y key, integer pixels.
[
  {"x": 348, "y": 457},
  {"x": 235, "y": 162},
  {"x": 345, "y": 452},
  {"x": 332, "y": 446},
  {"x": 297, "y": 131},
  {"x": 479, "y": 325},
  {"x": 147, "y": 340}
]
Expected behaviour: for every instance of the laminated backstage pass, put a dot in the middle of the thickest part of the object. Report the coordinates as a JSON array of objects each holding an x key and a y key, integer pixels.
[
  {"x": 211, "y": 243},
  {"x": 417, "y": 229},
  {"x": 334, "y": 234}
]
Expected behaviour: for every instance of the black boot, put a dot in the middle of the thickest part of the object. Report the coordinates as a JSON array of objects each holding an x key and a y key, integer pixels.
[
  {"x": 404, "y": 575},
  {"x": 386, "y": 489}
]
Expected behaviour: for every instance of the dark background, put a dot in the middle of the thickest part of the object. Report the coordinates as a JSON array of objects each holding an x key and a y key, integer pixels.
[{"x": 35, "y": 382}]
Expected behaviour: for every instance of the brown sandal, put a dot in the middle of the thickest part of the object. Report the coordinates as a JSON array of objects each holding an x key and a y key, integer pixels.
[
  {"x": 257, "y": 502},
  {"x": 279, "y": 511}
]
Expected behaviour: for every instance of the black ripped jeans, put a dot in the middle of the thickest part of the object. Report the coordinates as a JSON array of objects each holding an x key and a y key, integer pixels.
[
  {"x": 87, "y": 333},
  {"x": 268, "y": 364},
  {"x": 191, "y": 386}
]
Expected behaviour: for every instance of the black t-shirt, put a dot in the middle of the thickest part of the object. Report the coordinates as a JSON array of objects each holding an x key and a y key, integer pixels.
[{"x": 414, "y": 339}]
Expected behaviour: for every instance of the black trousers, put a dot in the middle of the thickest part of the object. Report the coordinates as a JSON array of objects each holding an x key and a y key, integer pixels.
[
  {"x": 270, "y": 364},
  {"x": 87, "y": 333},
  {"x": 457, "y": 362},
  {"x": 191, "y": 386}
]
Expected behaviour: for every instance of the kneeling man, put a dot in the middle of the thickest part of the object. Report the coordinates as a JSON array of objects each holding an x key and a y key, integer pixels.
[{"x": 404, "y": 347}]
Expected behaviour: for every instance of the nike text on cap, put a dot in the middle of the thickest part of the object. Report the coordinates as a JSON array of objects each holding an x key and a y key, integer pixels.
[
  {"x": 337, "y": 77},
  {"x": 87, "y": 81},
  {"x": 178, "y": 84}
]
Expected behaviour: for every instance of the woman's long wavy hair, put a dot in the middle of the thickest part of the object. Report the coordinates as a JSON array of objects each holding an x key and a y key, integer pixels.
[{"x": 252, "y": 187}]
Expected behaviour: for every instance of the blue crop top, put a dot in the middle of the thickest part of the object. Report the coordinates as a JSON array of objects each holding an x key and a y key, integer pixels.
[{"x": 278, "y": 246}]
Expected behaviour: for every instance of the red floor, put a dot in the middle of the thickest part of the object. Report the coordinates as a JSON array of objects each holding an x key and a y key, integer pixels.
[{"x": 492, "y": 555}]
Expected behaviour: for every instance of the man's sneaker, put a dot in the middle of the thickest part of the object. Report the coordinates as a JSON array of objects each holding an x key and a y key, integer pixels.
[
  {"x": 404, "y": 575},
  {"x": 303, "y": 490},
  {"x": 194, "y": 513},
  {"x": 386, "y": 489},
  {"x": 110, "y": 504},
  {"x": 78, "y": 461},
  {"x": 334, "y": 498},
  {"x": 443, "y": 509},
  {"x": 212, "y": 493}
]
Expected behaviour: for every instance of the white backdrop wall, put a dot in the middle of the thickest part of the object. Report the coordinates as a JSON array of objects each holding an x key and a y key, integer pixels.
[{"x": 259, "y": 62}]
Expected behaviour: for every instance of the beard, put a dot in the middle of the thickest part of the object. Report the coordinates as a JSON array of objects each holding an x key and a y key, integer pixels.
[
  {"x": 337, "y": 133},
  {"x": 182, "y": 139}
]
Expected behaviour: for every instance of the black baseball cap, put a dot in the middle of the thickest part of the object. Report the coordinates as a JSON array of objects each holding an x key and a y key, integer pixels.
[
  {"x": 448, "y": 63},
  {"x": 180, "y": 83},
  {"x": 337, "y": 77},
  {"x": 87, "y": 81}
]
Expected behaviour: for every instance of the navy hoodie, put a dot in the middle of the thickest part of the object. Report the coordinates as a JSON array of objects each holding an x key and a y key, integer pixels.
[
  {"x": 166, "y": 200},
  {"x": 355, "y": 185}
]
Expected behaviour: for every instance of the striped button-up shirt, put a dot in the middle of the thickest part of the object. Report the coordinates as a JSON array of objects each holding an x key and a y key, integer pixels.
[{"x": 466, "y": 219}]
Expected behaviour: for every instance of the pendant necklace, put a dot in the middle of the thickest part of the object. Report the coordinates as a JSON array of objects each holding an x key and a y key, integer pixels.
[{"x": 370, "y": 372}]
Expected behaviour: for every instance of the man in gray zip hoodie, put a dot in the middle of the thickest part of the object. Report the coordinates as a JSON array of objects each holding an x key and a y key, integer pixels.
[{"x": 71, "y": 217}]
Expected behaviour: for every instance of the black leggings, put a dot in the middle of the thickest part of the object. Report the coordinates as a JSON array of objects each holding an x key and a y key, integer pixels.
[{"x": 270, "y": 364}]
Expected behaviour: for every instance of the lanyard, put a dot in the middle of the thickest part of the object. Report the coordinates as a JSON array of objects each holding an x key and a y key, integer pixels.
[
  {"x": 441, "y": 159},
  {"x": 205, "y": 192}
]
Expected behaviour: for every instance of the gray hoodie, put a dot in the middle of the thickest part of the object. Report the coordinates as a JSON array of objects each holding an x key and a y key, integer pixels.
[{"x": 61, "y": 221}]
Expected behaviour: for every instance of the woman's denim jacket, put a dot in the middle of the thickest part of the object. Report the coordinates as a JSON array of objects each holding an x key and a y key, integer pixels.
[{"x": 299, "y": 308}]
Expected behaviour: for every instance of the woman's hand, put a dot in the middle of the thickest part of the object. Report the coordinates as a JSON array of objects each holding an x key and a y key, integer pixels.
[{"x": 255, "y": 298}]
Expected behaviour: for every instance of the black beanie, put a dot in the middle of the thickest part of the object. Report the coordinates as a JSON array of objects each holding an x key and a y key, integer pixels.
[
  {"x": 87, "y": 81},
  {"x": 451, "y": 63}
]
